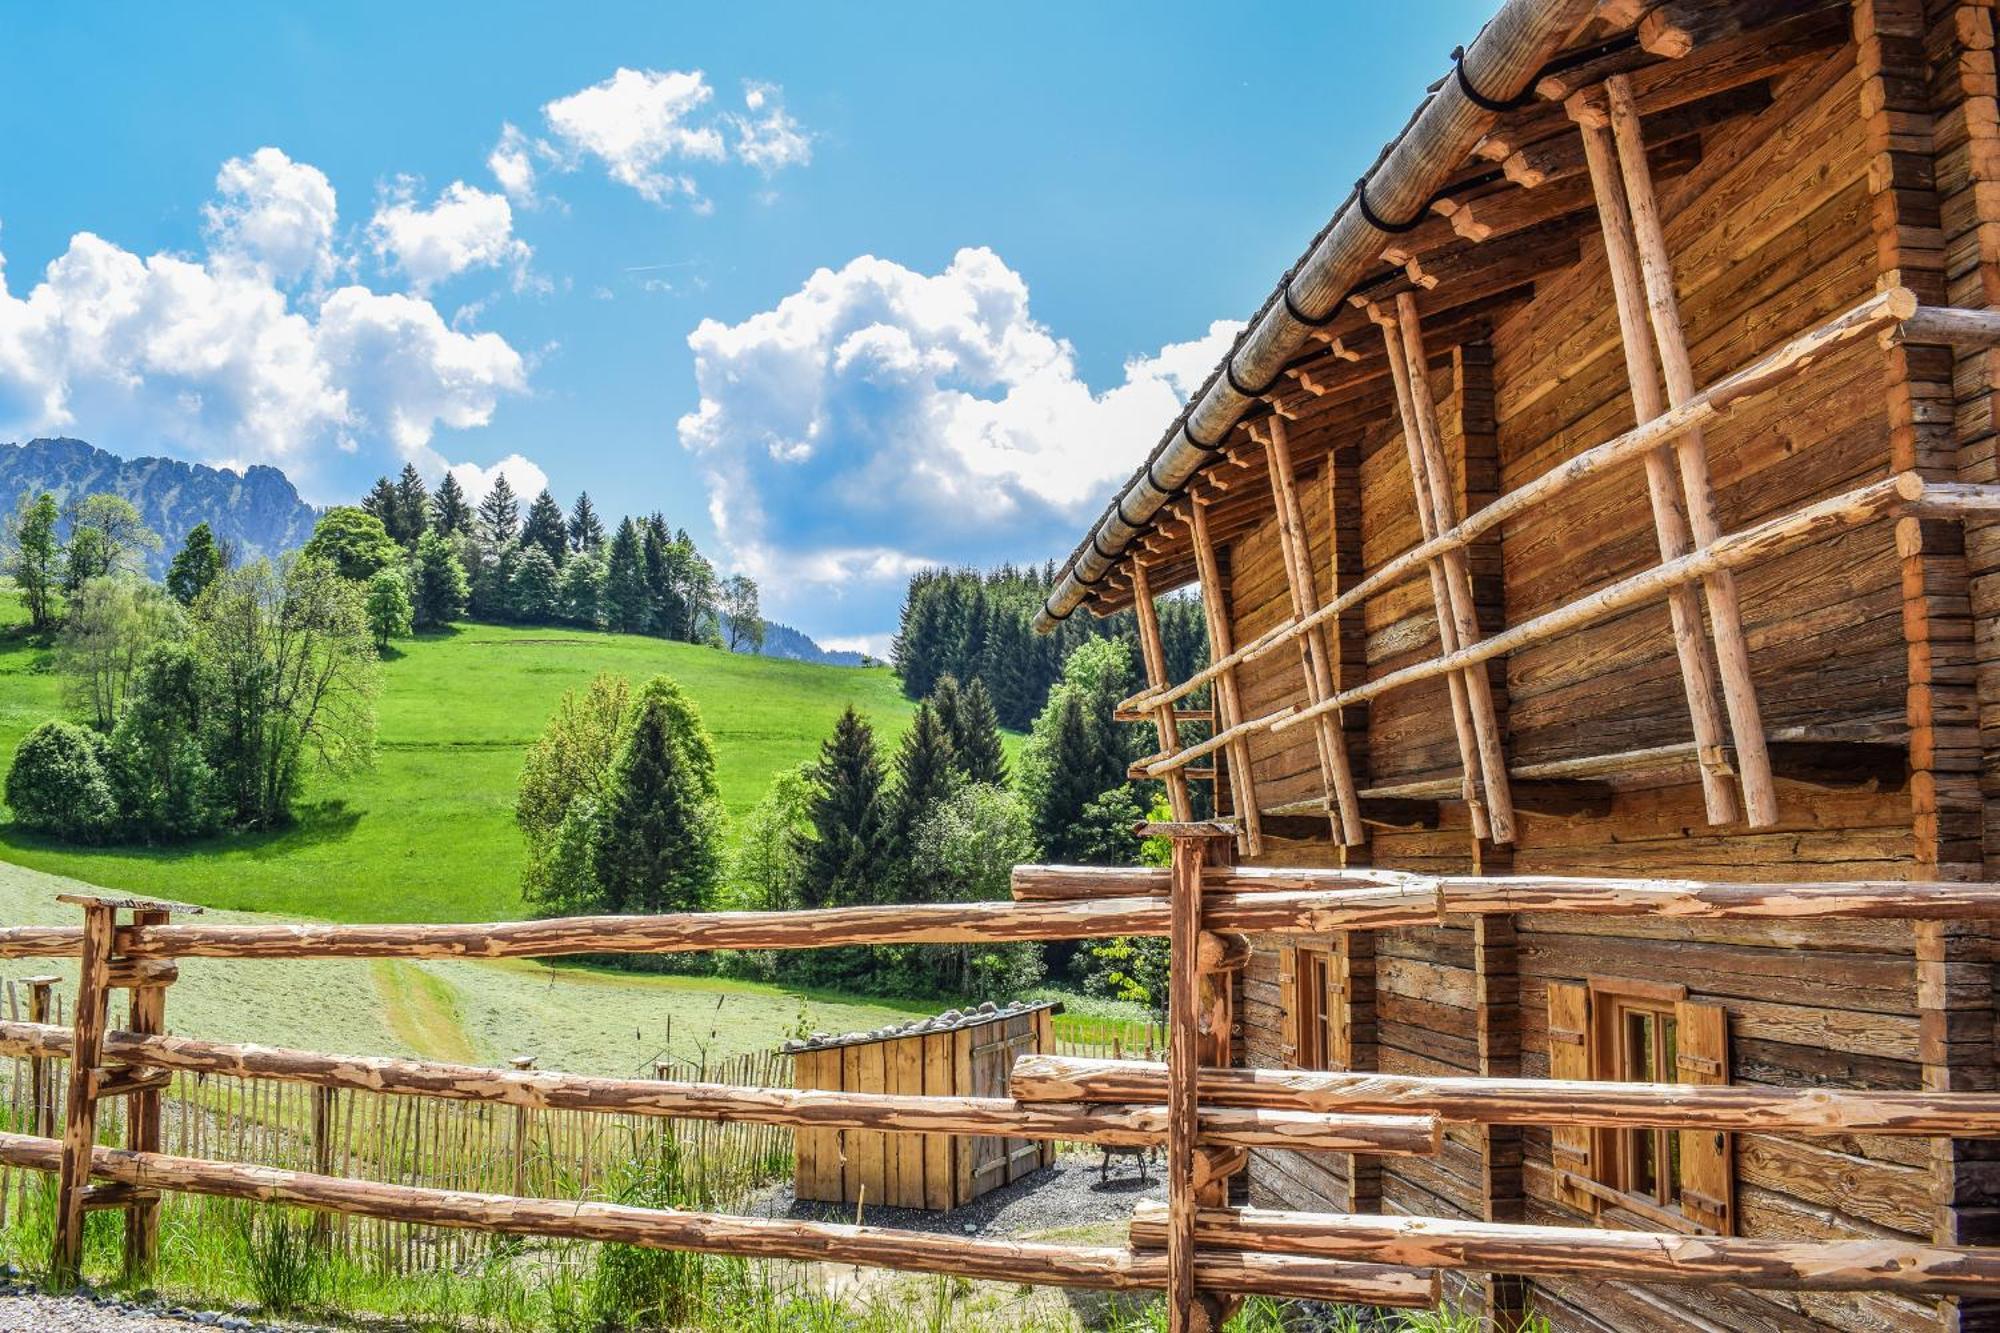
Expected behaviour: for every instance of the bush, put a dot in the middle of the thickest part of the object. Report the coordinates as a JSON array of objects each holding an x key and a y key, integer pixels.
[{"x": 58, "y": 784}]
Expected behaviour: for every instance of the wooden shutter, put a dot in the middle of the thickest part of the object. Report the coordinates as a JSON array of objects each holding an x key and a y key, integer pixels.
[
  {"x": 1339, "y": 1012},
  {"x": 1708, "y": 1175},
  {"x": 1288, "y": 1006},
  {"x": 1574, "y": 1147}
]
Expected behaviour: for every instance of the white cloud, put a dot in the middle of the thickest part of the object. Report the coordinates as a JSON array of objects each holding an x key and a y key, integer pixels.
[
  {"x": 512, "y": 163},
  {"x": 930, "y": 412},
  {"x": 465, "y": 228},
  {"x": 767, "y": 138},
  {"x": 213, "y": 358},
  {"x": 875, "y": 645},
  {"x": 526, "y": 479},
  {"x": 273, "y": 215},
  {"x": 635, "y": 122}
]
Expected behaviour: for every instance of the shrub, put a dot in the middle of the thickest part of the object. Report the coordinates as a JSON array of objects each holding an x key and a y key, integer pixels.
[{"x": 58, "y": 785}]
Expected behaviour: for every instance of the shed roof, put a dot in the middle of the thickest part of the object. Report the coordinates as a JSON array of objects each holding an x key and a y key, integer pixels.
[{"x": 951, "y": 1020}]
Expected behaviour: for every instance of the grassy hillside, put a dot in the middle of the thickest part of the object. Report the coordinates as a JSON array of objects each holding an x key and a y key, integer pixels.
[{"x": 429, "y": 833}]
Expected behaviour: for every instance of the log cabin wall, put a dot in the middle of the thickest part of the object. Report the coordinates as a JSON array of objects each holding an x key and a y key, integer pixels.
[{"x": 1777, "y": 227}]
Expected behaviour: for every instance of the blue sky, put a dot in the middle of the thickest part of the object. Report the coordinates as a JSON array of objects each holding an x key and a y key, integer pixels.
[{"x": 252, "y": 233}]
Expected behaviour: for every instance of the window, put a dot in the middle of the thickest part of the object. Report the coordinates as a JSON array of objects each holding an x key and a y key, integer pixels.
[
  {"x": 1311, "y": 994},
  {"x": 1641, "y": 1032}
]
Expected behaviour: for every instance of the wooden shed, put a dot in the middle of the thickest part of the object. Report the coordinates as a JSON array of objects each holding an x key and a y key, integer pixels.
[{"x": 957, "y": 1054}]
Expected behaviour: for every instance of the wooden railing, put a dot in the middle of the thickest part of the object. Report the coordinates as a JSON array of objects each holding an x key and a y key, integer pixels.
[{"x": 1202, "y": 1252}]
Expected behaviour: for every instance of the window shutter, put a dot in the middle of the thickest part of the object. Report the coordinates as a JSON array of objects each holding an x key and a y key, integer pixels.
[
  {"x": 1339, "y": 1012},
  {"x": 1288, "y": 1006},
  {"x": 1574, "y": 1147},
  {"x": 1708, "y": 1175}
]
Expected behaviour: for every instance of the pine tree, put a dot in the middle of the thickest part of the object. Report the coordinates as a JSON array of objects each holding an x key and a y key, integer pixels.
[
  {"x": 500, "y": 512},
  {"x": 195, "y": 565},
  {"x": 383, "y": 502},
  {"x": 625, "y": 601},
  {"x": 660, "y": 848},
  {"x": 663, "y": 611},
  {"x": 450, "y": 515},
  {"x": 438, "y": 588},
  {"x": 842, "y": 861},
  {"x": 586, "y": 530},
  {"x": 413, "y": 505},
  {"x": 547, "y": 528},
  {"x": 976, "y": 738},
  {"x": 926, "y": 773},
  {"x": 1082, "y": 767}
]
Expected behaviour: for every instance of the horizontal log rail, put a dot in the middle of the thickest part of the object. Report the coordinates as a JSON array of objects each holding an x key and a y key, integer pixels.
[
  {"x": 1880, "y": 313},
  {"x": 549, "y": 1090},
  {"x": 750, "y": 1237},
  {"x": 1368, "y": 904},
  {"x": 1578, "y": 1253},
  {"x": 1730, "y": 1108}
]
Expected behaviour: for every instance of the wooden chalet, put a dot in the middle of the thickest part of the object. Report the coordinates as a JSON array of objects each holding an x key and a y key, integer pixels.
[{"x": 1590, "y": 499}]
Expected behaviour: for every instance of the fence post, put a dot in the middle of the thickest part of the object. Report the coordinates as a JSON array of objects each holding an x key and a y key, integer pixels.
[
  {"x": 146, "y": 1015},
  {"x": 100, "y": 921},
  {"x": 1198, "y": 1031},
  {"x": 41, "y": 1088},
  {"x": 522, "y": 1063},
  {"x": 322, "y": 1153}
]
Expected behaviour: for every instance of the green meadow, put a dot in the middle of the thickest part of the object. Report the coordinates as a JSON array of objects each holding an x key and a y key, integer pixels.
[{"x": 428, "y": 834}]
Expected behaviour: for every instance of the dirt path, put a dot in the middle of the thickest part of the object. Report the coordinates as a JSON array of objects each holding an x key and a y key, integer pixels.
[{"x": 421, "y": 1011}]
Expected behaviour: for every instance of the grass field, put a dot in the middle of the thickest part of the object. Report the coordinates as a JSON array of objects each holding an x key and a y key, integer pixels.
[{"x": 428, "y": 834}]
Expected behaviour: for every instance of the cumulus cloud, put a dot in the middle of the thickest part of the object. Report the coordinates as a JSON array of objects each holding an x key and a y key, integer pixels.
[
  {"x": 512, "y": 163},
  {"x": 767, "y": 137},
  {"x": 274, "y": 216},
  {"x": 523, "y": 476},
  {"x": 465, "y": 228},
  {"x": 635, "y": 122},
  {"x": 931, "y": 412},
  {"x": 218, "y": 358}
]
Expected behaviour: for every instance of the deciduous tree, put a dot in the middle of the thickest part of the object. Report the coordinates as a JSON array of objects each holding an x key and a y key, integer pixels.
[
  {"x": 195, "y": 565},
  {"x": 388, "y": 606},
  {"x": 742, "y": 613},
  {"x": 32, "y": 556},
  {"x": 353, "y": 542}
]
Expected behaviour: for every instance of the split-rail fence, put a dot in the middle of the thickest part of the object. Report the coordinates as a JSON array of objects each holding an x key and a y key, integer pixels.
[{"x": 1202, "y": 1252}]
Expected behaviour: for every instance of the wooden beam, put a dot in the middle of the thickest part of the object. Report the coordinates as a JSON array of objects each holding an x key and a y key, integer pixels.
[
  {"x": 1154, "y": 655},
  {"x": 1746, "y": 726},
  {"x": 1592, "y": 1254},
  {"x": 1670, "y": 525},
  {"x": 100, "y": 922},
  {"x": 1012, "y": 1261},
  {"x": 1729, "y": 1108},
  {"x": 1228, "y": 706}
]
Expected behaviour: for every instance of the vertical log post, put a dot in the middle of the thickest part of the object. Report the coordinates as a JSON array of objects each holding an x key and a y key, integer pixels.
[
  {"x": 1153, "y": 652},
  {"x": 100, "y": 923},
  {"x": 521, "y": 1128},
  {"x": 1227, "y": 700},
  {"x": 1315, "y": 658},
  {"x": 1199, "y": 1020},
  {"x": 1670, "y": 524},
  {"x": 1472, "y": 786},
  {"x": 1457, "y": 578},
  {"x": 41, "y": 1087},
  {"x": 147, "y": 1015},
  {"x": 1746, "y": 725}
]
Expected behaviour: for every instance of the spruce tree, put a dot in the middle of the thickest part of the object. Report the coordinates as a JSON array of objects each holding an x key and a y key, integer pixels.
[
  {"x": 842, "y": 861},
  {"x": 195, "y": 565},
  {"x": 663, "y": 611},
  {"x": 533, "y": 587},
  {"x": 926, "y": 773},
  {"x": 438, "y": 587},
  {"x": 976, "y": 738},
  {"x": 450, "y": 514},
  {"x": 500, "y": 512},
  {"x": 413, "y": 505},
  {"x": 948, "y": 699},
  {"x": 1082, "y": 767},
  {"x": 660, "y": 846},
  {"x": 625, "y": 601},
  {"x": 581, "y": 596},
  {"x": 383, "y": 503},
  {"x": 547, "y": 528},
  {"x": 586, "y": 530}
]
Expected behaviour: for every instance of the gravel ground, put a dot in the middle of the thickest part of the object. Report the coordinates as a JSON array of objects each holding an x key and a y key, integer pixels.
[{"x": 22, "y": 1312}]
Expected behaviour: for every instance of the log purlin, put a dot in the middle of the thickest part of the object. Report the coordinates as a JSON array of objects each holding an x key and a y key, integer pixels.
[
  {"x": 1154, "y": 655},
  {"x": 720, "y": 1233},
  {"x": 1228, "y": 707}
]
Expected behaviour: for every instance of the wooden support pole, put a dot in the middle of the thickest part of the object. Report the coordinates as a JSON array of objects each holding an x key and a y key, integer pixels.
[
  {"x": 1732, "y": 651},
  {"x": 1457, "y": 579},
  {"x": 1228, "y": 710},
  {"x": 1591, "y": 1254},
  {"x": 1471, "y": 788},
  {"x": 41, "y": 1087},
  {"x": 1730, "y": 1108},
  {"x": 146, "y": 1015},
  {"x": 80, "y": 1119},
  {"x": 1315, "y": 660},
  {"x": 1013, "y": 1261},
  {"x": 1154, "y": 654},
  {"x": 1670, "y": 524},
  {"x": 1184, "y": 1054}
]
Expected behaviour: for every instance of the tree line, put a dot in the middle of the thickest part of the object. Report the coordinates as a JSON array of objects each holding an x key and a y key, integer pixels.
[
  {"x": 980, "y": 626},
  {"x": 496, "y": 562},
  {"x": 194, "y": 705}
]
